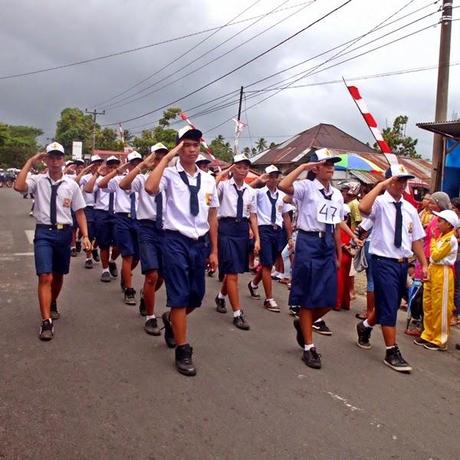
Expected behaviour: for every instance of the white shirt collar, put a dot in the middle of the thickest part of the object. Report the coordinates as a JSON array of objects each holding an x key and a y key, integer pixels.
[
  {"x": 232, "y": 182},
  {"x": 47, "y": 175},
  {"x": 180, "y": 168},
  {"x": 320, "y": 186},
  {"x": 388, "y": 198}
]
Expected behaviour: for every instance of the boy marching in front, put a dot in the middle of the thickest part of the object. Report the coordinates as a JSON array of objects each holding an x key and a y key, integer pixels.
[
  {"x": 55, "y": 197},
  {"x": 397, "y": 234},
  {"x": 190, "y": 226}
]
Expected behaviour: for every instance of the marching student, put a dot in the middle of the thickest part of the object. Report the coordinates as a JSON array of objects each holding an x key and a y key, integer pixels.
[
  {"x": 55, "y": 196},
  {"x": 203, "y": 163},
  {"x": 396, "y": 235},
  {"x": 438, "y": 291},
  {"x": 237, "y": 212},
  {"x": 82, "y": 179},
  {"x": 317, "y": 254},
  {"x": 272, "y": 213},
  {"x": 125, "y": 204},
  {"x": 150, "y": 234},
  {"x": 190, "y": 214},
  {"x": 104, "y": 219}
]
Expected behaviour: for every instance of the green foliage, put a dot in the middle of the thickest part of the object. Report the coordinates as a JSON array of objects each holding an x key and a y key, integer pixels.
[
  {"x": 261, "y": 145},
  {"x": 74, "y": 125},
  {"x": 17, "y": 143},
  {"x": 398, "y": 141},
  {"x": 107, "y": 139},
  {"x": 221, "y": 149}
]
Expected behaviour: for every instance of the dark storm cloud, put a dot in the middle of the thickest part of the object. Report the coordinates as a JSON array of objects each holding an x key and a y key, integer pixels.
[{"x": 53, "y": 32}]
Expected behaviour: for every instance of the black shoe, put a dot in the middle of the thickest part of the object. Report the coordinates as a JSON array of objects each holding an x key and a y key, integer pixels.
[
  {"x": 184, "y": 363},
  {"x": 394, "y": 359},
  {"x": 241, "y": 323},
  {"x": 78, "y": 246},
  {"x": 46, "y": 331},
  {"x": 169, "y": 333},
  {"x": 321, "y": 328},
  {"x": 113, "y": 269},
  {"x": 89, "y": 263},
  {"x": 253, "y": 291},
  {"x": 54, "y": 311},
  {"x": 105, "y": 277},
  {"x": 151, "y": 327},
  {"x": 420, "y": 342},
  {"x": 364, "y": 334},
  {"x": 311, "y": 358},
  {"x": 130, "y": 296},
  {"x": 211, "y": 273},
  {"x": 434, "y": 347},
  {"x": 142, "y": 308},
  {"x": 299, "y": 335},
  {"x": 220, "y": 305},
  {"x": 95, "y": 254},
  {"x": 294, "y": 310},
  {"x": 73, "y": 252}
]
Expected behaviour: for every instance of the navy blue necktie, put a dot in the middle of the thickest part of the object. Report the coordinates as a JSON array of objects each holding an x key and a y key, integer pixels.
[
  {"x": 398, "y": 224},
  {"x": 111, "y": 200},
  {"x": 159, "y": 205},
  {"x": 194, "y": 189},
  {"x": 132, "y": 198},
  {"x": 239, "y": 203},
  {"x": 329, "y": 227},
  {"x": 96, "y": 196},
  {"x": 273, "y": 202},
  {"x": 53, "y": 202}
]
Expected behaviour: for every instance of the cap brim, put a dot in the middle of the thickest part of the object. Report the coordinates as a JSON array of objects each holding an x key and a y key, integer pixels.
[
  {"x": 194, "y": 134},
  {"x": 113, "y": 161},
  {"x": 55, "y": 152},
  {"x": 243, "y": 161},
  {"x": 406, "y": 176},
  {"x": 99, "y": 160}
]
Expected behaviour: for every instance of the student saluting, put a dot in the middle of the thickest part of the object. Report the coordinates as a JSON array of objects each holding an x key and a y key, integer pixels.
[{"x": 55, "y": 197}]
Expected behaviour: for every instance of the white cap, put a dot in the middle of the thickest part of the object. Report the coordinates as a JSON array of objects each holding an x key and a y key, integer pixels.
[
  {"x": 398, "y": 171},
  {"x": 192, "y": 133},
  {"x": 448, "y": 215},
  {"x": 324, "y": 155},
  {"x": 112, "y": 158},
  {"x": 241, "y": 157},
  {"x": 272, "y": 169},
  {"x": 95, "y": 158},
  {"x": 69, "y": 162},
  {"x": 201, "y": 157},
  {"x": 134, "y": 156},
  {"x": 158, "y": 146},
  {"x": 54, "y": 147},
  {"x": 79, "y": 161}
]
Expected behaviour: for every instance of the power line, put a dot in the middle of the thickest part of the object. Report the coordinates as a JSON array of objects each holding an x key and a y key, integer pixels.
[
  {"x": 132, "y": 50},
  {"x": 290, "y": 37}
]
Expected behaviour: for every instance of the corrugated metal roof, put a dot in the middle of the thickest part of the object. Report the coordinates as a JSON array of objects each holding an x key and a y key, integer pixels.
[
  {"x": 445, "y": 128},
  {"x": 367, "y": 177}
]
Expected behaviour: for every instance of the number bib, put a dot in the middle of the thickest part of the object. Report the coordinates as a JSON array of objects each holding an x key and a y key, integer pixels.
[{"x": 328, "y": 212}]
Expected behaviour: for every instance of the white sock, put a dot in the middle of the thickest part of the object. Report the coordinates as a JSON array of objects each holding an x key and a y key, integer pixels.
[
  {"x": 308, "y": 347},
  {"x": 220, "y": 295},
  {"x": 366, "y": 324},
  {"x": 88, "y": 258},
  {"x": 236, "y": 313},
  {"x": 392, "y": 346},
  {"x": 150, "y": 317},
  {"x": 106, "y": 270},
  {"x": 275, "y": 273},
  {"x": 254, "y": 286}
]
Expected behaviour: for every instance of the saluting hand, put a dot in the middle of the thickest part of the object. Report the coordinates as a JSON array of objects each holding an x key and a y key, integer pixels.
[
  {"x": 175, "y": 151},
  {"x": 102, "y": 170},
  {"x": 148, "y": 162},
  {"x": 37, "y": 158}
]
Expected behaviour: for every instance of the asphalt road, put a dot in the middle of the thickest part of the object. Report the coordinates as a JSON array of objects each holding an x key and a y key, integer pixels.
[{"x": 104, "y": 389}]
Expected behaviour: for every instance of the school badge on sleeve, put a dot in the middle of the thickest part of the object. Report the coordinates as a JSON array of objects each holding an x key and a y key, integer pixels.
[
  {"x": 67, "y": 202},
  {"x": 208, "y": 199}
]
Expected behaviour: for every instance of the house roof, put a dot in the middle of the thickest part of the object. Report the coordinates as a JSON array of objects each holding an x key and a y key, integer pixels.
[
  {"x": 444, "y": 128},
  {"x": 322, "y": 135},
  {"x": 108, "y": 153}
]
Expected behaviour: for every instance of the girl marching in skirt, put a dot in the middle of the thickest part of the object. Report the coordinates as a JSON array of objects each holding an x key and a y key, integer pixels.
[{"x": 317, "y": 255}]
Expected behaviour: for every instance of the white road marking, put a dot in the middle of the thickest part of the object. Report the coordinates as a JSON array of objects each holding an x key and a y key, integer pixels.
[
  {"x": 344, "y": 401},
  {"x": 30, "y": 235}
]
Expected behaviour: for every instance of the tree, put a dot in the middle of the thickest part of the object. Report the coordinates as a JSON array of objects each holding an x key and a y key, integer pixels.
[
  {"x": 107, "y": 139},
  {"x": 221, "y": 149},
  {"x": 396, "y": 138},
  {"x": 17, "y": 143},
  {"x": 74, "y": 125},
  {"x": 261, "y": 145}
]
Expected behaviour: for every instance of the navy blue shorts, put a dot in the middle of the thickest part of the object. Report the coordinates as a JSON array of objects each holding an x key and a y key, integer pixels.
[
  {"x": 390, "y": 280},
  {"x": 90, "y": 222},
  {"x": 105, "y": 228},
  {"x": 150, "y": 245},
  {"x": 74, "y": 220},
  {"x": 314, "y": 273},
  {"x": 126, "y": 236},
  {"x": 184, "y": 263},
  {"x": 52, "y": 250},
  {"x": 272, "y": 242},
  {"x": 233, "y": 246}
]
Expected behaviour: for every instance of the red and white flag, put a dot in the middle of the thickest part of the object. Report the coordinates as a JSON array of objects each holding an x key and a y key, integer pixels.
[
  {"x": 239, "y": 126},
  {"x": 121, "y": 133}
]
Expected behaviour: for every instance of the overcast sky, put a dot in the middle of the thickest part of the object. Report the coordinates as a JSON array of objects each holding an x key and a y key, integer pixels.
[{"x": 36, "y": 35}]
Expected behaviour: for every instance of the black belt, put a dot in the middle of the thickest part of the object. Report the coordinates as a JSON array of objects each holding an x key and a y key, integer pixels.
[
  {"x": 401, "y": 260},
  {"x": 123, "y": 214},
  {"x": 54, "y": 227},
  {"x": 273, "y": 226},
  {"x": 233, "y": 219},
  {"x": 317, "y": 234}
]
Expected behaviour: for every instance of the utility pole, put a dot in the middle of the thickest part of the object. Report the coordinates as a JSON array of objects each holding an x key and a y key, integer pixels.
[
  {"x": 94, "y": 113},
  {"x": 442, "y": 92},
  {"x": 238, "y": 118}
]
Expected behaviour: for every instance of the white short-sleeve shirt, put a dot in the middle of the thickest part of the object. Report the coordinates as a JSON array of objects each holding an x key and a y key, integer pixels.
[
  {"x": 69, "y": 197},
  {"x": 309, "y": 199},
  {"x": 102, "y": 196},
  {"x": 89, "y": 197},
  {"x": 122, "y": 198},
  {"x": 264, "y": 206},
  {"x": 146, "y": 205},
  {"x": 228, "y": 198},
  {"x": 177, "y": 215},
  {"x": 383, "y": 216}
]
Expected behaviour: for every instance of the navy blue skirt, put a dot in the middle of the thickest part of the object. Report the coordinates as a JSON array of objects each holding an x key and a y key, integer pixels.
[
  {"x": 314, "y": 273},
  {"x": 233, "y": 246}
]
